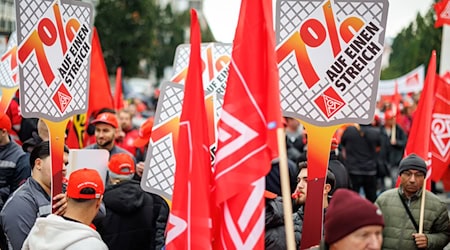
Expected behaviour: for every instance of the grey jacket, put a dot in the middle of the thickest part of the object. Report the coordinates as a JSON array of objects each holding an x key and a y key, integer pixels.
[
  {"x": 20, "y": 212},
  {"x": 398, "y": 230}
]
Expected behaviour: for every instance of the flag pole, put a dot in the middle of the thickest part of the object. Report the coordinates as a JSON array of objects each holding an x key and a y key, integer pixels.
[
  {"x": 422, "y": 207},
  {"x": 285, "y": 189}
]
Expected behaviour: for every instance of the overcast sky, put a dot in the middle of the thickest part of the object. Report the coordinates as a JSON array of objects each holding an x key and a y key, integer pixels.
[{"x": 222, "y": 16}]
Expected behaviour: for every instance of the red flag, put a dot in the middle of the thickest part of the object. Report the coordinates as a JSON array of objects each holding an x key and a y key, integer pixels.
[
  {"x": 189, "y": 221},
  {"x": 250, "y": 115},
  {"x": 440, "y": 130},
  {"x": 419, "y": 136},
  {"x": 99, "y": 87},
  {"x": 118, "y": 94},
  {"x": 442, "y": 13}
]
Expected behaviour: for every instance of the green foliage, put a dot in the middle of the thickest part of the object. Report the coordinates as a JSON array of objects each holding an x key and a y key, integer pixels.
[
  {"x": 133, "y": 31},
  {"x": 413, "y": 46},
  {"x": 125, "y": 30}
]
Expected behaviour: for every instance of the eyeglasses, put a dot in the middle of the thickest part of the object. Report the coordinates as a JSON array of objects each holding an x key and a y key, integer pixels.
[{"x": 408, "y": 174}]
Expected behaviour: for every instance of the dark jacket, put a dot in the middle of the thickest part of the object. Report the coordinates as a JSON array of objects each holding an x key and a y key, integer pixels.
[
  {"x": 361, "y": 149},
  {"x": 22, "y": 209},
  {"x": 275, "y": 236},
  {"x": 391, "y": 155},
  {"x": 340, "y": 173},
  {"x": 14, "y": 169},
  {"x": 298, "y": 218},
  {"x": 134, "y": 218}
]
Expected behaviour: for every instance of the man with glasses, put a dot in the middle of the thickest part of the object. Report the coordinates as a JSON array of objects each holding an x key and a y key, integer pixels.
[{"x": 401, "y": 210}]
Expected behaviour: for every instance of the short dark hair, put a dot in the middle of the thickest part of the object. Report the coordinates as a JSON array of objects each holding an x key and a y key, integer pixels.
[
  {"x": 41, "y": 151},
  {"x": 86, "y": 190},
  {"x": 331, "y": 178}
]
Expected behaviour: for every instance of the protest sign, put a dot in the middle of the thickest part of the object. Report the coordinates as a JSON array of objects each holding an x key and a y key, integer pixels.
[
  {"x": 54, "y": 50},
  {"x": 329, "y": 57}
]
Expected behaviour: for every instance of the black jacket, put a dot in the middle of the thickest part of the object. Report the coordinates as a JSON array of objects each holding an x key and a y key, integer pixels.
[
  {"x": 134, "y": 218},
  {"x": 275, "y": 236}
]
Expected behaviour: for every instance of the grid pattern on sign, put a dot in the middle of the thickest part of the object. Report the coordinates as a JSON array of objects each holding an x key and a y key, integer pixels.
[
  {"x": 160, "y": 172},
  {"x": 5, "y": 74},
  {"x": 37, "y": 97},
  {"x": 182, "y": 53},
  {"x": 296, "y": 98}
]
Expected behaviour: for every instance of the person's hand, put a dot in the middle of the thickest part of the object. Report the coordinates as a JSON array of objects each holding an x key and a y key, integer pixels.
[
  {"x": 140, "y": 168},
  {"x": 421, "y": 240},
  {"x": 60, "y": 204}
]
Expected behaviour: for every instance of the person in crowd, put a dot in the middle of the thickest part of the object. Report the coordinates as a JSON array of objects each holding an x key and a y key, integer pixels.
[
  {"x": 72, "y": 230},
  {"x": 134, "y": 219},
  {"x": 300, "y": 198},
  {"x": 295, "y": 140},
  {"x": 141, "y": 145},
  {"x": 37, "y": 137},
  {"x": 401, "y": 209},
  {"x": 273, "y": 182},
  {"x": 14, "y": 168},
  {"x": 32, "y": 199},
  {"x": 393, "y": 142},
  {"x": 106, "y": 125},
  {"x": 360, "y": 146},
  {"x": 352, "y": 222},
  {"x": 128, "y": 133},
  {"x": 89, "y": 135},
  {"x": 275, "y": 235},
  {"x": 336, "y": 167}
]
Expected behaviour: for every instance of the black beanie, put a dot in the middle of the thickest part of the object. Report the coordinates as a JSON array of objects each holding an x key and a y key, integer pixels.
[{"x": 412, "y": 161}]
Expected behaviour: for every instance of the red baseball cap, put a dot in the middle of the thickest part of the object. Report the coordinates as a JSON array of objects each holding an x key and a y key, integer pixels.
[
  {"x": 107, "y": 118},
  {"x": 5, "y": 122},
  {"x": 121, "y": 164},
  {"x": 85, "y": 178},
  {"x": 145, "y": 131},
  {"x": 388, "y": 114},
  {"x": 334, "y": 143}
]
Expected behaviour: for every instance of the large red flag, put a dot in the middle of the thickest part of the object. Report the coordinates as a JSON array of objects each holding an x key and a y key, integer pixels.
[
  {"x": 250, "y": 113},
  {"x": 442, "y": 9},
  {"x": 118, "y": 93},
  {"x": 419, "y": 136},
  {"x": 440, "y": 129},
  {"x": 189, "y": 221},
  {"x": 99, "y": 88}
]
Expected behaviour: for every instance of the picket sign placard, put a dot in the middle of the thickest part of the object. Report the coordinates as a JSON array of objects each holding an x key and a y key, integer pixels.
[
  {"x": 53, "y": 55},
  {"x": 160, "y": 164},
  {"x": 329, "y": 57},
  {"x": 8, "y": 73}
]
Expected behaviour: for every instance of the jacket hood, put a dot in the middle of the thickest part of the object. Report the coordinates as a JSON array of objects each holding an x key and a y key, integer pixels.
[
  {"x": 125, "y": 197},
  {"x": 54, "y": 232}
]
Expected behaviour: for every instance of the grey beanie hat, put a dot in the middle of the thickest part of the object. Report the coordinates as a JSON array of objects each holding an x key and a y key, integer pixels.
[{"x": 412, "y": 161}]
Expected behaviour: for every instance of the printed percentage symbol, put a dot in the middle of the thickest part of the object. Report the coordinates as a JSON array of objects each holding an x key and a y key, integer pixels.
[
  {"x": 12, "y": 53},
  {"x": 313, "y": 34},
  {"x": 46, "y": 34}
]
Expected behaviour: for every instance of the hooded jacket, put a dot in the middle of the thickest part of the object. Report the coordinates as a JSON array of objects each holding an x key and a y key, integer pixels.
[
  {"x": 134, "y": 218},
  {"x": 55, "y": 232}
]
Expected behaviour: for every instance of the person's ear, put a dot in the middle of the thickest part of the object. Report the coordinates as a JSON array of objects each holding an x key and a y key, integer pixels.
[{"x": 326, "y": 188}]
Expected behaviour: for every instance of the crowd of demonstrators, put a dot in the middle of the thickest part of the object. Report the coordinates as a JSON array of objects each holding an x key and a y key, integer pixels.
[
  {"x": 72, "y": 230},
  {"x": 401, "y": 209},
  {"x": 134, "y": 219}
]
